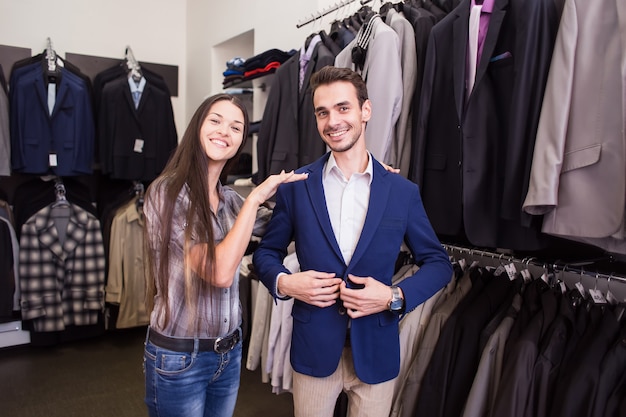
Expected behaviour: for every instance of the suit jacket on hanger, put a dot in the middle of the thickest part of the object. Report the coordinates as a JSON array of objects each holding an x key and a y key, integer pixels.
[
  {"x": 135, "y": 143},
  {"x": 288, "y": 136},
  {"x": 69, "y": 132},
  {"x": 460, "y": 143},
  {"x": 382, "y": 72},
  {"x": 577, "y": 176}
]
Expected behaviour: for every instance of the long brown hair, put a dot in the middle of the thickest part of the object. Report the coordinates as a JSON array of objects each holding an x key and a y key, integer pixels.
[{"x": 188, "y": 165}]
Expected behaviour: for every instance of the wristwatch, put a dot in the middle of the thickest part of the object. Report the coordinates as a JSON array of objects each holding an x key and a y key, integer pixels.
[{"x": 396, "y": 304}]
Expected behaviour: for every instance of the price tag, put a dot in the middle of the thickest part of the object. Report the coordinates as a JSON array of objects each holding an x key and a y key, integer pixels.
[
  {"x": 610, "y": 298},
  {"x": 581, "y": 289},
  {"x": 462, "y": 263},
  {"x": 52, "y": 159},
  {"x": 597, "y": 297},
  {"x": 510, "y": 270},
  {"x": 138, "y": 146}
]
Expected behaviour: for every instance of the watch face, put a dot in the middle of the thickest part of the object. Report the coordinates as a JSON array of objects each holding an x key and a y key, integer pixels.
[{"x": 396, "y": 305}]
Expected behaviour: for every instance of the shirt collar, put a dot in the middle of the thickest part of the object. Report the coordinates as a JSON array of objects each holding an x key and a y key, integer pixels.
[
  {"x": 332, "y": 164},
  {"x": 487, "y": 5},
  {"x": 305, "y": 53},
  {"x": 136, "y": 87}
]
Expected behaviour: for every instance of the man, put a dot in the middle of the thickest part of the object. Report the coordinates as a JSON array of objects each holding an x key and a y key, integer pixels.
[{"x": 348, "y": 220}]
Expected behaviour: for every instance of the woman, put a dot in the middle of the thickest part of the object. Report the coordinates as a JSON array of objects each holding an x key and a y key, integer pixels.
[{"x": 197, "y": 231}]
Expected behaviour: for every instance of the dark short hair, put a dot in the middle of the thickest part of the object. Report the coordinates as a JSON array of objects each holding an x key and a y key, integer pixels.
[{"x": 330, "y": 74}]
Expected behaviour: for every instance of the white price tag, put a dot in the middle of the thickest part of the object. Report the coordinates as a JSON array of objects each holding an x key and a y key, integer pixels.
[
  {"x": 52, "y": 159},
  {"x": 597, "y": 297},
  {"x": 610, "y": 298},
  {"x": 138, "y": 146}
]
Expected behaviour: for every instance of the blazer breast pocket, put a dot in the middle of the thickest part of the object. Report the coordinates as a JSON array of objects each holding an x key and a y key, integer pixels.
[
  {"x": 392, "y": 223},
  {"x": 499, "y": 60}
]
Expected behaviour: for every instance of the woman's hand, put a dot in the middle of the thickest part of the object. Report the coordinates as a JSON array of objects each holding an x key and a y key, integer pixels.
[
  {"x": 390, "y": 168},
  {"x": 267, "y": 188}
]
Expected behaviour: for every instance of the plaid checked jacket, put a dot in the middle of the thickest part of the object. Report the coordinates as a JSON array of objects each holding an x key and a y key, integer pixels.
[{"x": 62, "y": 283}]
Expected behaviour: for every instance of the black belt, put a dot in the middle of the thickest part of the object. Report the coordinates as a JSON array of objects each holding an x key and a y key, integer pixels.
[{"x": 217, "y": 345}]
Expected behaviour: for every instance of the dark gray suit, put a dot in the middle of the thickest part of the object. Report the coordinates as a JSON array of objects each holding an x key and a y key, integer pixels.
[
  {"x": 461, "y": 145},
  {"x": 288, "y": 137}
]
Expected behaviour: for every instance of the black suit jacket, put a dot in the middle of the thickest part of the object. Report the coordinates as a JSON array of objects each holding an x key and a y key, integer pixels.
[
  {"x": 288, "y": 136},
  {"x": 120, "y": 125},
  {"x": 461, "y": 146}
]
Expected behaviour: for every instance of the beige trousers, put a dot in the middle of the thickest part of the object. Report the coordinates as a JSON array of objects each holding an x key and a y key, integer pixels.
[{"x": 316, "y": 397}]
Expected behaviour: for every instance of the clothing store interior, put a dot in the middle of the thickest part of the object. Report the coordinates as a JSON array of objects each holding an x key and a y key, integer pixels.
[{"x": 519, "y": 154}]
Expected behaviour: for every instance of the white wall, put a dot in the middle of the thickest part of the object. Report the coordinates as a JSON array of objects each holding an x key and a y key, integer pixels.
[{"x": 154, "y": 29}]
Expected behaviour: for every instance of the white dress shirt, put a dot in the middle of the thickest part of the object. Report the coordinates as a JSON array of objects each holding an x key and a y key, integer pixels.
[{"x": 347, "y": 202}]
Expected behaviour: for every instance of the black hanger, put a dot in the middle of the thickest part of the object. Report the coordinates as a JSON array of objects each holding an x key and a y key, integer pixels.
[
  {"x": 365, "y": 13},
  {"x": 308, "y": 40}
]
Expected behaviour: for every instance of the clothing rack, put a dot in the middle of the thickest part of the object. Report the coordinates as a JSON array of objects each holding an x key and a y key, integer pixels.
[
  {"x": 574, "y": 274},
  {"x": 326, "y": 11}
]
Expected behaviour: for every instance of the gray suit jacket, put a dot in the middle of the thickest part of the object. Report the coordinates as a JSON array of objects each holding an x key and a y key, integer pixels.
[
  {"x": 400, "y": 155},
  {"x": 577, "y": 176},
  {"x": 382, "y": 73}
]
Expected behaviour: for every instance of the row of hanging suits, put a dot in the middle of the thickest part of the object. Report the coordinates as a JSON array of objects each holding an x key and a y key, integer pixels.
[
  {"x": 526, "y": 154},
  {"x": 62, "y": 123},
  {"x": 75, "y": 271},
  {"x": 493, "y": 342},
  {"x": 497, "y": 342}
]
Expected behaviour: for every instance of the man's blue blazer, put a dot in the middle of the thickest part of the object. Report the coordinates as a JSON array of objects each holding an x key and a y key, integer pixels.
[{"x": 395, "y": 214}]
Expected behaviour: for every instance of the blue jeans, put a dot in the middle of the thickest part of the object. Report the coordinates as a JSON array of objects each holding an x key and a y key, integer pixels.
[{"x": 191, "y": 384}]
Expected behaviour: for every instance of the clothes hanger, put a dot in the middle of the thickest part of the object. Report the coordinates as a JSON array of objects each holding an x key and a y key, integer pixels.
[
  {"x": 134, "y": 69},
  {"x": 60, "y": 193},
  {"x": 51, "y": 70}
]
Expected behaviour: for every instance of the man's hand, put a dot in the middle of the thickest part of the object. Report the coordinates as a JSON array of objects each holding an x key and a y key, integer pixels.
[
  {"x": 370, "y": 299},
  {"x": 320, "y": 289}
]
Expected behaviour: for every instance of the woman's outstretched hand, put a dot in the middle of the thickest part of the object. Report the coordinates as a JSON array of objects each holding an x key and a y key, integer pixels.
[{"x": 267, "y": 188}]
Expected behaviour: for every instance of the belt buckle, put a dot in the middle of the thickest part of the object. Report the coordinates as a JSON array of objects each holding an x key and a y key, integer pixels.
[
  {"x": 229, "y": 343},
  {"x": 217, "y": 345}
]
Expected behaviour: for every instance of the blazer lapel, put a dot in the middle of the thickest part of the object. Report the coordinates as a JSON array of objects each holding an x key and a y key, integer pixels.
[
  {"x": 318, "y": 199},
  {"x": 495, "y": 23},
  {"x": 379, "y": 193},
  {"x": 460, "y": 29},
  {"x": 307, "y": 76},
  {"x": 293, "y": 78}
]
